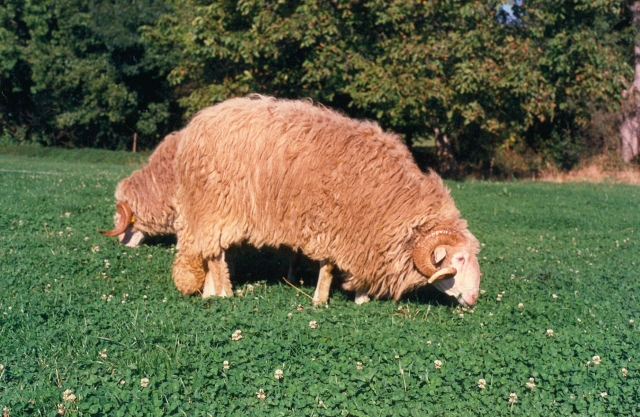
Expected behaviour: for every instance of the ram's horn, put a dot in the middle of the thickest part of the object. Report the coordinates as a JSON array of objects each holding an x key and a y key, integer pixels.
[
  {"x": 444, "y": 273},
  {"x": 423, "y": 250},
  {"x": 125, "y": 220}
]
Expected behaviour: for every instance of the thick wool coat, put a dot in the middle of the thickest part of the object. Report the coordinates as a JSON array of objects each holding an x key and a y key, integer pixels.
[{"x": 288, "y": 173}]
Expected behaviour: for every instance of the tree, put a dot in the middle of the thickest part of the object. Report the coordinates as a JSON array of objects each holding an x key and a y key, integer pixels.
[
  {"x": 75, "y": 72},
  {"x": 630, "y": 126}
]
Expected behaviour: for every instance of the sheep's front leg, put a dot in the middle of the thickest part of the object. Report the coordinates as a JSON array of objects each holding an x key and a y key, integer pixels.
[
  {"x": 217, "y": 281},
  {"x": 188, "y": 273},
  {"x": 321, "y": 295}
]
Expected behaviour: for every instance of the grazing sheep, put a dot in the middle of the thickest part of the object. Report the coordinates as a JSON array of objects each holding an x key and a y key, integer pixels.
[
  {"x": 341, "y": 191},
  {"x": 145, "y": 199}
]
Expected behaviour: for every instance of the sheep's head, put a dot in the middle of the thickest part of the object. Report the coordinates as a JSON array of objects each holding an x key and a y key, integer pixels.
[
  {"x": 448, "y": 259},
  {"x": 124, "y": 226}
]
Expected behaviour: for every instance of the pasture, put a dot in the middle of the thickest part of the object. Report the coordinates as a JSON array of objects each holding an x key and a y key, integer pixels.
[{"x": 89, "y": 327}]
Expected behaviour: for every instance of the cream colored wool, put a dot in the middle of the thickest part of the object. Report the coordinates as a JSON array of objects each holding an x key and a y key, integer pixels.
[
  {"x": 288, "y": 173},
  {"x": 150, "y": 191}
]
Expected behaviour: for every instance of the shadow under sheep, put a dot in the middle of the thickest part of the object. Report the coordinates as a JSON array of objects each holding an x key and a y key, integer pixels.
[{"x": 249, "y": 265}]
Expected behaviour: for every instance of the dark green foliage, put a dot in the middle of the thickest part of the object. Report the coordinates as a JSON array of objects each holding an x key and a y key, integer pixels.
[
  {"x": 77, "y": 73},
  {"x": 536, "y": 85},
  {"x": 459, "y": 68},
  {"x": 67, "y": 294}
]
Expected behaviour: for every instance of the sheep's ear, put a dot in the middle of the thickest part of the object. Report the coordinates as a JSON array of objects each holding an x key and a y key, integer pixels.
[{"x": 438, "y": 254}]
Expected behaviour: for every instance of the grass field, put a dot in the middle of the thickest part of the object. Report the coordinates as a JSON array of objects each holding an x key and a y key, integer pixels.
[{"x": 89, "y": 327}]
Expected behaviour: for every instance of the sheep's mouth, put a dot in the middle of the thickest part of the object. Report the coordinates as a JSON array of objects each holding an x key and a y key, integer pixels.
[{"x": 131, "y": 237}]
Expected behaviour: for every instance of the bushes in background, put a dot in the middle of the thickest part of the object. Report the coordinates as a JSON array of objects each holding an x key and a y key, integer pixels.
[{"x": 469, "y": 77}]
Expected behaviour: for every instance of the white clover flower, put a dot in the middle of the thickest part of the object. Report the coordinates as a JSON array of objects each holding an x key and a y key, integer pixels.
[
  {"x": 520, "y": 305},
  {"x": 103, "y": 353},
  {"x": 250, "y": 287},
  {"x": 531, "y": 384},
  {"x": 437, "y": 363},
  {"x": 61, "y": 410},
  {"x": 625, "y": 371},
  {"x": 461, "y": 315},
  {"x": 278, "y": 374},
  {"x": 555, "y": 296},
  {"x": 482, "y": 291},
  {"x": 359, "y": 366},
  {"x": 20, "y": 223},
  {"x": 513, "y": 398},
  {"x": 313, "y": 324},
  {"x": 144, "y": 382},
  {"x": 290, "y": 315},
  {"x": 596, "y": 360},
  {"x": 164, "y": 300},
  {"x": 67, "y": 395},
  {"x": 603, "y": 394},
  {"x": 481, "y": 383},
  {"x": 237, "y": 335},
  {"x": 631, "y": 321},
  {"x": 428, "y": 342},
  {"x": 260, "y": 394},
  {"x": 321, "y": 404},
  {"x": 550, "y": 332},
  {"x": 122, "y": 382},
  {"x": 225, "y": 365},
  {"x": 299, "y": 308}
]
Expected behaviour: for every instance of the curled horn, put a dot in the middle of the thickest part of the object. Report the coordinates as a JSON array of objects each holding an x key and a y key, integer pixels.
[
  {"x": 125, "y": 220},
  {"x": 424, "y": 248}
]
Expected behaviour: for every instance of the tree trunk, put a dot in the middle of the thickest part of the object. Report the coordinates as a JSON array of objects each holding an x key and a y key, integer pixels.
[
  {"x": 630, "y": 126},
  {"x": 447, "y": 164}
]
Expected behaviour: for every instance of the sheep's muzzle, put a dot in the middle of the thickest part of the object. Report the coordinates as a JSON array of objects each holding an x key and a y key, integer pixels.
[{"x": 125, "y": 219}]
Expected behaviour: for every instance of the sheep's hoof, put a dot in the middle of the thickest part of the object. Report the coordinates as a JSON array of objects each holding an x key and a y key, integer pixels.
[
  {"x": 319, "y": 303},
  {"x": 216, "y": 281},
  {"x": 361, "y": 298}
]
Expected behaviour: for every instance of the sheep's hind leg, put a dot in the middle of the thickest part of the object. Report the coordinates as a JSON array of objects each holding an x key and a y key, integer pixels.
[
  {"x": 321, "y": 295},
  {"x": 217, "y": 281}
]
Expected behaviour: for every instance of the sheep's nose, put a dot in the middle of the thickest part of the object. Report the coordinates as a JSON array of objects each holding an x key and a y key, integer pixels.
[{"x": 470, "y": 298}]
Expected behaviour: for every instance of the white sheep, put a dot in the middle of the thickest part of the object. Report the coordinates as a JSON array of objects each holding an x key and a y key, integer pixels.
[
  {"x": 145, "y": 200},
  {"x": 341, "y": 191}
]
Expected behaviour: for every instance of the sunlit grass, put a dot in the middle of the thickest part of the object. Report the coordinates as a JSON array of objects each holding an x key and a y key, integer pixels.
[{"x": 92, "y": 327}]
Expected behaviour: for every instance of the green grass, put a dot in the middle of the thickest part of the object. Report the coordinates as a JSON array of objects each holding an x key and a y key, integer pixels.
[{"x": 67, "y": 294}]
